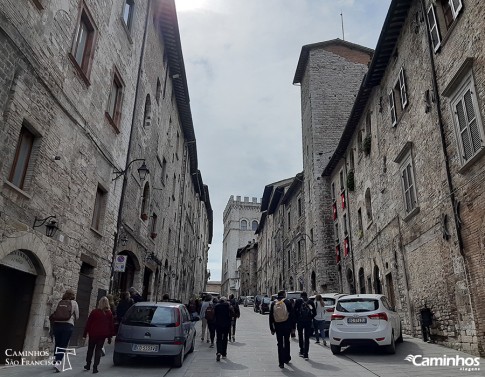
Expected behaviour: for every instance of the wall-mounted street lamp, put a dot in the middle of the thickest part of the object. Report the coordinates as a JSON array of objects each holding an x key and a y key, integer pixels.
[
  {"x": 142, "y": 170},
  {"x": 51, "y": 227}
]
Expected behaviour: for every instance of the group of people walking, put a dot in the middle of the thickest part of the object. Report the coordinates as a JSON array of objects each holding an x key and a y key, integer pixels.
[
  {"x": 219, "y": 318},
  {"x": 100, "y": 325},
  {"x": 285, "y": 315}
]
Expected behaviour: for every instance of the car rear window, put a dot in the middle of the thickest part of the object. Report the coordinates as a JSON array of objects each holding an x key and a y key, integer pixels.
[
  {"x": 153, "y": 316},
  {"x": 266, "y": 300},
  {"x": 357, "y": 305},
  {"x": 328, "y": 301}
]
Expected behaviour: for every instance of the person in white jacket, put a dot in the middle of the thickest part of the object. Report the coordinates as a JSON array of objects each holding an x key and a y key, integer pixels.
[{"x": 318, "y": 321}]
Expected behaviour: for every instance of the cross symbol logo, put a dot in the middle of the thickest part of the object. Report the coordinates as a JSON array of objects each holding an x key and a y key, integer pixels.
[{"x": 66, "y": 352}]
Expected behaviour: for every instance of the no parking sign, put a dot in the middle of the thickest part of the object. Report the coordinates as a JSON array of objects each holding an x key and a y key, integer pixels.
[{"x": 120, "y": 263}]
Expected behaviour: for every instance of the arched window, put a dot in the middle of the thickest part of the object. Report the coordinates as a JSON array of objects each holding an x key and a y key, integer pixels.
[
  {"x": 144, "y": 202},
  {"x": 244, "y": 225},
  {"x": 147, "y": 119},
  {"x": 361, "y": 280},
  {"x": 359, "y": 141},
  {"x": 254, "y": 225},
  {"x": 368, "y": 204}
]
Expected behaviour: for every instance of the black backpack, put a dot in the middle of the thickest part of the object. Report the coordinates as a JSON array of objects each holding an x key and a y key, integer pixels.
[{"x": 305, "y": 312}]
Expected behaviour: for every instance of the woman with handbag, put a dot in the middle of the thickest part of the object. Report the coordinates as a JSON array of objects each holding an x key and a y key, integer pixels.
[{"x": 99, "y": 327}]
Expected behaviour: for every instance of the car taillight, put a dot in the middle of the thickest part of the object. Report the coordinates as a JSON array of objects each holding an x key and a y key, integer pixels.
[
  {"x": 382, "y": 316},
  {"x": 178, "y": 340},
  {"x": 330, "y": 310},
  {"x": 337, "y": 317},
  {"x": 177, "y": 320}
]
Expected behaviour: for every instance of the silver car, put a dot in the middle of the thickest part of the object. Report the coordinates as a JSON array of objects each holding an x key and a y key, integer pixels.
[{"x": 155, "y": 329}]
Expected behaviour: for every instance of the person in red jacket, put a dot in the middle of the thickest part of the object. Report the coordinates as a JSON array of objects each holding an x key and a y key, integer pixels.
[{"x": 99, "y": 327}]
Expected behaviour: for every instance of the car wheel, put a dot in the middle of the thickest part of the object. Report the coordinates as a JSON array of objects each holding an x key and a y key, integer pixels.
[
  {"x": 400, "y": 339},
  {"x": 391, "y": 348},
  {"x": 179, "y": 359},
  {"x": 118, "y": 358},
  {"x": 335, "y": 349}
]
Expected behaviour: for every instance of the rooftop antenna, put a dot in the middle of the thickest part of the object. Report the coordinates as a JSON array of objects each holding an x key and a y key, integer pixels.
[{"x": 342, "y": 18}]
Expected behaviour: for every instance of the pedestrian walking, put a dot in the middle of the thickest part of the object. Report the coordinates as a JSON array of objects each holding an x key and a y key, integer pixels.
[
  {"x": 203, "y": 308},
  {"x": 280, "y": 323},
  {"x": 235, "y": 314},
  {"x": 99, "y": 327},
  {"x": 210, "y": 315},
  {"x": 319, "y": 321},
  {"x": 62, "y": 324},
  {"x": 222, "y": 313},
  {"x": 304, "y": 312},
  {"x": 125, "y": 303},
  {"x": 136, "y": 297}
]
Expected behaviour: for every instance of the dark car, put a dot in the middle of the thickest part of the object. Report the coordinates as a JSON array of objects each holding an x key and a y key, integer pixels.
[
  {"x": 264, "y": 306},
  {"x": 155, "y": 329}
]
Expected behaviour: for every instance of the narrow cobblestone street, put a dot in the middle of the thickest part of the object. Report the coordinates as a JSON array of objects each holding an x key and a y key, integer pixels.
[{"x": 254, "y": 354}]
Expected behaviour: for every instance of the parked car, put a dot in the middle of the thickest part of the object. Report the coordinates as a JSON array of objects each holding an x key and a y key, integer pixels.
[
  {"x": 264, "y": 306},
  {"x": 153, "y": 330},
  {"x": 293, "y": 295},
  {"x": 363, "y": 320},
  {"x": 249, "y": 301}
]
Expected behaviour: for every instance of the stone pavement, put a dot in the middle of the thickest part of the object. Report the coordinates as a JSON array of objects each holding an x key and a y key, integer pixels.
[{"x": 254, "y": 354}]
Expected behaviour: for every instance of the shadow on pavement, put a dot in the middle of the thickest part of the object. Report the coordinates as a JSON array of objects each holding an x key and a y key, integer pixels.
[{"x": 229, "y": 365}]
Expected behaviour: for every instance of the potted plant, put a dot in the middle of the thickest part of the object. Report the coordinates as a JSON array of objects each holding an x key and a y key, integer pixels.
[
  {"x": 350, "y": 181},
  {"x": 366, "y": 144},
  {"x": 144, "y": 216}
]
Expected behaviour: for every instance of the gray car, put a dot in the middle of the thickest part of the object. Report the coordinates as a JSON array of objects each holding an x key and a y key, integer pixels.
[{"x": 155, "y": 329}]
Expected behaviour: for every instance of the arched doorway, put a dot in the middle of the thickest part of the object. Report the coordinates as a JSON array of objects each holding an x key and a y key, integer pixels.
[
  {"x": 314, "y": 282},
  {"x": 351, "y": 281},
  {"x": 291, "y": 284},
  {"x": 377, "y": 281},
  {"x": 18, "y": 275},
  {"x": 126, "y": 279}
]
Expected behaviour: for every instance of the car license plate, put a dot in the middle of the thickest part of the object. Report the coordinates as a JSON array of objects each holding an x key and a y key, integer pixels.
[
  {"x": 357, "y": 320},
  {"x": 145, "y": 347}
]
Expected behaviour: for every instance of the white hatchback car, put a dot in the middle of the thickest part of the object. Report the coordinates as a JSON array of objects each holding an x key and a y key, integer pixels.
[{"x": 362, "y": 320}]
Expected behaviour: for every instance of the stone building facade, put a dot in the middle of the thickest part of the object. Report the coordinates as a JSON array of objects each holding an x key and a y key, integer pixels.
[
  {"x": 241, "y": 219},
  {"x": 69, "y": 97},
  {"x": 248, "y": 267},
  {"x": 329, "y": 74},
  {"x": 396, "y": 176}
]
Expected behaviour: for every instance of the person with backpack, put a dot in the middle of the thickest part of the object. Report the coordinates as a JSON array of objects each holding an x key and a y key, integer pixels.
[
  {"x": 235, "y": 314},
  {"x": 62, "y": 322},
  {"x": 99, "y": 327},
  {"x": 205, "y": 305},
  {"x": 305, "y": 312},
  {"x": 280, "y": 323}
]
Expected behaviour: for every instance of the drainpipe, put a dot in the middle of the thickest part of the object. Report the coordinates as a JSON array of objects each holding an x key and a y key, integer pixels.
[{"x": 128, "y": 154}]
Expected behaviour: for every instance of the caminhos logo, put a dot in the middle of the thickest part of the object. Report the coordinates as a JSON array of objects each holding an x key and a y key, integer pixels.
[{"x": 469, "y": 364}]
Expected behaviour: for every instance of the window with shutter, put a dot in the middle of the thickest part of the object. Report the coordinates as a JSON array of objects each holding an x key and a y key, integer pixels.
[
  {"x": 433, "y": 28},
  {"x": 467, "y": 121},
  {"x": 456, "y": 6},
  {"x": 408, "y": 185}
]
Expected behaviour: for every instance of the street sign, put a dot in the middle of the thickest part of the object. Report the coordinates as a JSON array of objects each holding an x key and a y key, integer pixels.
[{"x": 120, "y": 263}]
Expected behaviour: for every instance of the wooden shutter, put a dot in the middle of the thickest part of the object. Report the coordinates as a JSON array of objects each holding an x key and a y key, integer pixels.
[
  {"x": 433, "y": 29},
  {"x": 463, "y": 130},
  {"x": 402, "y": 88},
  {"x": 476, "y": 139},
  {"x": 392, "y": 107},
  {"x": 456, "y": 6}
]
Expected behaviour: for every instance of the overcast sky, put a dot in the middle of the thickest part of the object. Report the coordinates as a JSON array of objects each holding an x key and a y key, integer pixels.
[{"x": 240, "y": 59}]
